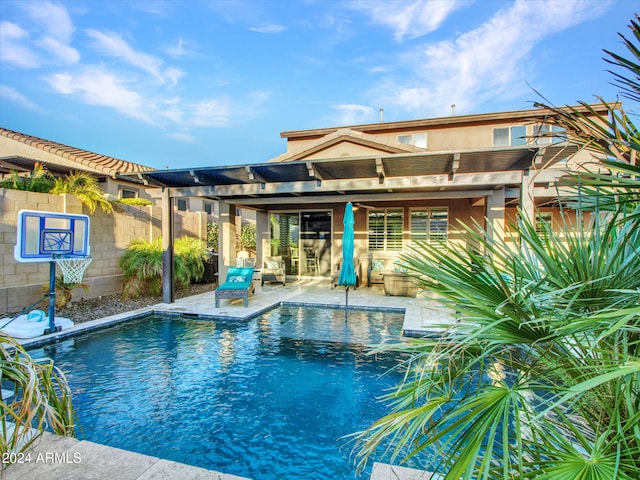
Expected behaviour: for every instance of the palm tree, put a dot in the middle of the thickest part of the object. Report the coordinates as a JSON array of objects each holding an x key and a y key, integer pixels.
[
  {"x": 540, "y": 377},
  {"x": 84, "y": 186}
]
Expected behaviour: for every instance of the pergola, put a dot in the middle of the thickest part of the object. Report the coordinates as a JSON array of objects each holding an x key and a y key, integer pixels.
[{"x": 496, "y": 176}]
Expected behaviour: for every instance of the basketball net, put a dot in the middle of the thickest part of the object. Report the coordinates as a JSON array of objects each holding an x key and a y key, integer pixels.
[{"x": 73, "y": 267}]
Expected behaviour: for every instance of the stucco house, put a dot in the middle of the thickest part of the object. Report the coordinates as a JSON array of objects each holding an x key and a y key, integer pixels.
[
  {"x": 408, "y": 180},
  {"x": 19, "y": 152}
]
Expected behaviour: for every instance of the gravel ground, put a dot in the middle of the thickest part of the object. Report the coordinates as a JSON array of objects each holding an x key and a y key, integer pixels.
[{"x": 90, "y": 309}]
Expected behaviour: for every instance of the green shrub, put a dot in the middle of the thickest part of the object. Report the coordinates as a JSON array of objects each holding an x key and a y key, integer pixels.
[
  {"x": 212, "y": 235},
  {"x": 142, "y": 265},
  {"x": 38, "y": 180},
  {"x": 192, "y": 252},
  {"x": 248, "y": 236},
  {"x": 140, "y": 202},
  {"x": 83, "y": 185},
  {"x": 41, "y": 398}
]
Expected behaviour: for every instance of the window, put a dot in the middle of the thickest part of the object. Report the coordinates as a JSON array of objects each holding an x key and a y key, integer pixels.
[
  {"x": 430, "y": 225},
  {"x": 544, "y": 222},
  {"x": 546, "y": 134},
  {"x": 182, "y": 204},
  {"x": 127, "y": 192},
  {"x": 509, "y": 136},
  {"x": 209, "y": 208},
  {"x": 417, "y": 139},
  {"x": 385, "y": 229}
]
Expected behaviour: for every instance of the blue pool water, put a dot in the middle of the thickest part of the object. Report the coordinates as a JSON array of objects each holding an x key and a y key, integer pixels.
[{"x": 268, "y": 398}]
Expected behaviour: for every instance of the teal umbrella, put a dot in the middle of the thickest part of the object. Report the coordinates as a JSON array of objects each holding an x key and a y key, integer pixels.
[{"x": 347, "y": 276}]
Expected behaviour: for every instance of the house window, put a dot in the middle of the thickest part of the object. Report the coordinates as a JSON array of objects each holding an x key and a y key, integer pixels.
[
  {"x": 182, "y": 204},
  {"x": 209, "y": 208},
  {"x": 417, "y": 139},
  {"x": 545, "y": 134},
  {"x": 430, "y": 225},
  {"x": 510, "y": 136},
  {"x": 544, "y": 222},
  {"x": 127, "y": 193},
  {"x": 385, "y": 229}
]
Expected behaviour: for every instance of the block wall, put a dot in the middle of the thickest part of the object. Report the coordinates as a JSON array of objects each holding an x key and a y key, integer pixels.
[{"x": 22, "y": 284}]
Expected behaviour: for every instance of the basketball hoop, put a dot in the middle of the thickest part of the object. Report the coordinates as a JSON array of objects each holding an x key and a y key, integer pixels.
[{"x": 73, "y": 266}]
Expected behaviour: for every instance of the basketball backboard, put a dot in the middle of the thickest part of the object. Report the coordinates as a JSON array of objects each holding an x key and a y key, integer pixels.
[{"x": 43, "y": 235}]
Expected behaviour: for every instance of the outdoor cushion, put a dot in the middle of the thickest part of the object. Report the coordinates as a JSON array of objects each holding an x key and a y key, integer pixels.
[
  {"x": 273, "y": 265},
  {"x": 238, "y": 283},
  {"x": 377, "y": 265}
]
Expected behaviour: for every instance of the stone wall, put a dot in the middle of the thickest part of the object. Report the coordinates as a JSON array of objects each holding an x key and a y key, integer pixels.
[{"x": 22, "y": 284}]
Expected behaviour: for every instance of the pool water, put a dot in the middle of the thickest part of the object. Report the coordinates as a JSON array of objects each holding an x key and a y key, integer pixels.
[{"x": 268, "y": 398}]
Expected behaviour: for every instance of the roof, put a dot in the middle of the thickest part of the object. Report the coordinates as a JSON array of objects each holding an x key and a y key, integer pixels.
[
  {"x": 439, "y": 122},
  {"x": 409, "y": 174},
  {"x": 348, "y": 135},
  {"x": 86, "y": 160}
]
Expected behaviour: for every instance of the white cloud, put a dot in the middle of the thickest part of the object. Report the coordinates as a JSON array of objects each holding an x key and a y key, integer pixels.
[
  {"x": 173, "y": 75},
  {"x": 11, "y": 94},
  {"x": 210, "y": 113},
  {"x": 493, "y": 61},
  {"x": 184, "y": 137},
  {"x": 53, "y": 23},
  {"x": 53, "y": 20},
  {"x": 65, "y": 53},
  {"x": 410, "y": 19},
  {"x": 350, "y": 114},
  {"x": 178, "y": 50},
  {"x": 13, "y": 51},
  {"x": 95, "y": 86},
  {"x": 268, "y": 28},
  {"x": 113, "y": 45}
]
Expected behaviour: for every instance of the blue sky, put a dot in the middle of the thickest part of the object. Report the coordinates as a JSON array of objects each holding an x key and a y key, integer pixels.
[{"x": 194, "y": 83}]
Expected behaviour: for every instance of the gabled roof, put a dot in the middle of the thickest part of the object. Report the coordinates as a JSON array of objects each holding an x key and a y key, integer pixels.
[
  {"x": 384, "y": 145},
  {"x": 86, "y": 160}
]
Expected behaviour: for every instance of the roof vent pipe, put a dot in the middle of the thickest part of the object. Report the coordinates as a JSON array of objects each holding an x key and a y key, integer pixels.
[
  {"x": 381, "y": 115},
  {"x": 453, "y": 109}
]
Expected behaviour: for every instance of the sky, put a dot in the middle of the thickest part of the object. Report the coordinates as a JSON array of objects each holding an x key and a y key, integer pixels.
[{"x": 179, "y": 84}]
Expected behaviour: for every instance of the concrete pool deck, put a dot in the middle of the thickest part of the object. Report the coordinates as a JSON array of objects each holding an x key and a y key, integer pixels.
[{"x": 423, "y": 316}]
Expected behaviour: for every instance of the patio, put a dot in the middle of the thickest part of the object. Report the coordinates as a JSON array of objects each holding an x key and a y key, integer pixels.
[
  {"x": 57, "y": 457},
  {"x": 422, "y": 314}
]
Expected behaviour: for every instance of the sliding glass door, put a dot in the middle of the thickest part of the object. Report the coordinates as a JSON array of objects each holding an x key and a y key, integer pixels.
[{"x": 303, "y": 239}]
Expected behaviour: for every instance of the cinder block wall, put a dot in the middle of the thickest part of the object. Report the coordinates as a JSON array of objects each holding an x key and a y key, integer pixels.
[{"x": 22, "y": 284}]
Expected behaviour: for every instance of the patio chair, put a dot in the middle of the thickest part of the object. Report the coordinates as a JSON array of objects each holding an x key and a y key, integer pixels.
[
  {"x": 238, "y": 283},
  {"x": 274, "y": 271}
]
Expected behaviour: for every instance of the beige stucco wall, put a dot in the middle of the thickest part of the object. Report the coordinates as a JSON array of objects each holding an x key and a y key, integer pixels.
[
  {"x": 343, "y": 149},
  {"x": 13, "y": 148},
  {"x": 22, "y": 283}
]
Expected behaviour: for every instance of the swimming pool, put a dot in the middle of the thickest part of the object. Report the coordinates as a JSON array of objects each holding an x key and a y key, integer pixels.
[{"x": 268, "y": 398}]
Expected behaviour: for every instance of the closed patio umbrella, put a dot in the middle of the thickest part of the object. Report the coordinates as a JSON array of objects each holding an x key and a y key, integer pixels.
[{"x": 347, "y": 276}]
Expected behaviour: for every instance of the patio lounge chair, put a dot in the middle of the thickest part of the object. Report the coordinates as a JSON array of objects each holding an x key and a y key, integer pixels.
[
  {"x": 238, "y": 283},
  {"x": 274, "y": 271}
]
